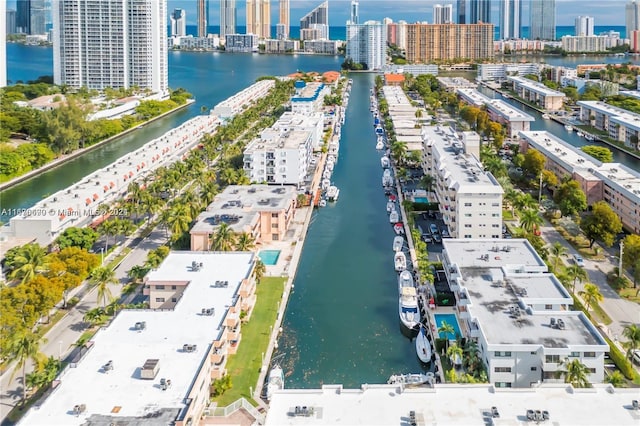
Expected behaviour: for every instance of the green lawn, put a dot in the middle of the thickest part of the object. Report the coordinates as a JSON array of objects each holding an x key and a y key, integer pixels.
[{"x": 244, "y": 366}]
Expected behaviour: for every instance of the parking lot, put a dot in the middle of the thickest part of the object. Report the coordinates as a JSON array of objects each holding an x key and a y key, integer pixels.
[{"x": 427, "y": 223}]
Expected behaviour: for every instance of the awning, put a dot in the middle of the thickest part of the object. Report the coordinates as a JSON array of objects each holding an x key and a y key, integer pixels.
[
  {"x": 88, "y": 201},
  {"x": 95, "y": 197}
]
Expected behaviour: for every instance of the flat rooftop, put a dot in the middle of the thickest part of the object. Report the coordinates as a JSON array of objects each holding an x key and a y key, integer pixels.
[
  {"x": 534, "y": 86},
  {"x": 498, "y": 106},
  {"x": 462, "y": 171},
  {"x": 617, "y": 115},
  {"x": 468, "y": 254},
  {"x": 120, "y": 392},
  {"x": 308, "y": 93},
  {"x": 465, "y": 405}
]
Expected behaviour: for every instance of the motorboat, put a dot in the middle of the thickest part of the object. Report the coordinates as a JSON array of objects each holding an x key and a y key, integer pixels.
[
  {"x": 423, "y": 345},
  {"x": 400, "y": 261},
  {"x": 322, "y": 203},
  {"x": 405, "y": 279},
  {"x": 332, "y": 193},
  {"x": 390, "y": 206},
  {"x": 330, "y": 165},
  {"x": 545, "y": 116},
  {"x": 589, "y": 137},
  {"x": 326, "y": 183},
  {"x": 392, "y": 197},
  {"x": 380, "y": 145},
  {"x": 326, "y": 174},
  {"x": 394, "y": 216},
  {"x": 387, "y": 181},
  {"x": 398, "y": 228},
  {"x": 398, "y": 243},
  {"x": 408, "y": 307},
  {"x": 580, "y": 134},
  {"x": 275, "y": 380},
  {"x": 384, "y": 162},
  {"x": 413, "y": 379},
  {"x": 568, "y": 127}
]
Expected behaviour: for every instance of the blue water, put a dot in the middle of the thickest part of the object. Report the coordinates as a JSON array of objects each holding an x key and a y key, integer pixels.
[
  {"x": 269, "y": 257},
  {"x": 452, "y": 320},
  {"x": 420, "y": 199}
]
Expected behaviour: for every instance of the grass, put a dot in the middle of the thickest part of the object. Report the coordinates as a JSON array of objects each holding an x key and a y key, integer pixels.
[
  {"x": 116, "y": 261},
  {"x": 244, "y": 366},
  {"x": 630, "y": 293},
  {"x": 600, "y": 314},
  {"x": 506, "y": 214},
  {"x": 53, "y": 320}
]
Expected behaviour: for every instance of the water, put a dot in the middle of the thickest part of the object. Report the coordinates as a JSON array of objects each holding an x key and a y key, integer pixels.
[
  {"x": 450, "y": 319},
  {"x": 269, "y": 257}
]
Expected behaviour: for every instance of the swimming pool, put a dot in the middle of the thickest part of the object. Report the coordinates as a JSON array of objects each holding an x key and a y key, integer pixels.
[
  {"x": 452, "y": 321},
  {"x": 420, "y": 200},
  {"x": 269, "y": 257}
]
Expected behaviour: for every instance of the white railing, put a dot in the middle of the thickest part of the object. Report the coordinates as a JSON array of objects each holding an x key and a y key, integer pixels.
[{"x": 232, "y": 408}]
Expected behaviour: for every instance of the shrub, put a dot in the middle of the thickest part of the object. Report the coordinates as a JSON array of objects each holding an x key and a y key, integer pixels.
[
  {"x": 72, "y": 302},
  {"x": 620, "y": 360}
]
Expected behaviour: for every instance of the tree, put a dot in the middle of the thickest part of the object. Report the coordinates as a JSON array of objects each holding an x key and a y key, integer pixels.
[
  {"x": 224, "y": 238},
  {"x": 245, "y": 242},
  {"x": 137, "y": 273},
  {"x": 221, "y": 385},
  {"x": 109, "y": 228},
  {"x": 575, "y": 373},
  {"x": 530, "y": 220},
  {"x": 179, "y": 220},
  {"x": 259, "y": 270},
  {"x": 632, "y": 333},
  {"x": 95, "y": 316},
  {"x": 591, "y": 295},
  {"x": 24, "y": 346},
  {"x": 576, "y": 274},
  {"x": 557, "y": 251},
  {"x": 601, "y": 153},
  {"x": 29, "y": 260},
  {"x": 631, "y": 253},
  {"x": 101, "y": 278},
  {"x": 454, "y": 352},
  {"x": 549, "y": 178},
  {"x": 616, "y": 379},
  {"x": 534, "y": 162},
  {"x": 601, "y": 224},
  {"x": 525, "y": 202},
  {"x": 77, "y": 237},
  {"x": 570, "y": 198},
  {"x": 426, "y": 182},
  {"x": 448, "y": 331},
  {"x": 398, "y": 151}
]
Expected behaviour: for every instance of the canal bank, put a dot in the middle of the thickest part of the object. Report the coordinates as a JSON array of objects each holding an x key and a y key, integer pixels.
[{"x": 78, "y": 153}]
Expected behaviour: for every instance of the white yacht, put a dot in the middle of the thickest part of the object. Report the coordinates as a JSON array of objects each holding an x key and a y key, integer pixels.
[
  {"x": 384, "y": 162},
  {"x": 423, "y": 346},
  {"x": 408, "y": 307},
  {"x": 414, "y": 379},
  {"x": 394, "y": 216},
  {"x": 332, "y": 193},
  {"x": 326, "y": 183},
  {"x": 398, "y": 243},
  {"x": 545, "y": 116},
  {"x": 568, "y": 127},
  {"x": 380, "y": 145},
  {"x": 405, "y": 279},
  {"x": 400, "y": 261},
  {"x": 390, "y": 206},
  {"x": 580, "y": 134},
  {"x": 398, "y": 228},
  {"x": 275, "y": 381}
]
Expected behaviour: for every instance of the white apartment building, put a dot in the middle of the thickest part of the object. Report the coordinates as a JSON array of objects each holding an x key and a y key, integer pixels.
[
  {"x": 241, "y": 42},
  {"x": 234, "y": 105},
  {"x": 469, "y": 198},
  {"x": 594, "y": 43},
  {"x": 119, "y": 43},
  {"x": 518, "y": 313},
  {"x": 309, "y": 97},
  {"x": 584, "y": 26},
  {"x": 537, "y": 93},
  {"x": 442, "y": 14},
  {"x": 414, "y": 69},
  {"x": 281, "y": 46},
  {"x": 622, "y": 125},
  {"x": 321, "y": 47},
  {"x": 402, "y": 113},
  {"x": 514, "y": 119},
  {"x": 499, "y": 72},
  {"x": 312, "y": 122},
  {"x": 178, "y": 23},
  {"x": 367, "y": 44},
  {"x": 210, "y": 42}
]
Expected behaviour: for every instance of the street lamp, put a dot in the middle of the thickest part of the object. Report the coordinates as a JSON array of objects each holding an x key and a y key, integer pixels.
[{"x": 101, "y": 256}]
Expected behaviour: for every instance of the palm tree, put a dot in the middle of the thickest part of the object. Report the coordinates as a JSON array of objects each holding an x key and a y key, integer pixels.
[
  {"x": 179, "y": 219},
  {"x": 23, "y": 346},
  {"x": 525, "y": 201},
  {"x": 259, "y": 270},
  {"x": 427, "y": 182},
  {"x": 454, "y": 352},
  {"x": 575, "y": 373},
  {"x": 616, "y": 379},
  {"x": 108, "y": 228},
  {"x": 591, "y": 295},
  {"x": 632, "y": 333},
  {"x": 398, "y": 151},
  {"x": 95, "y": 316},
  {"x": 101, "y": 278},
  {"x": 224, "y": 238},
  {"x": 575, "y": 273},
  {"x": 245, "y": 242},
  {"x": 30, "y": 260},
  {"x": 137, "y": 273},
  {"x": 557, "y": 251},
  {"x": 208, "y": 191},
  {"x": 529, "y": 220},
  {"x": 446, "y": 329}
]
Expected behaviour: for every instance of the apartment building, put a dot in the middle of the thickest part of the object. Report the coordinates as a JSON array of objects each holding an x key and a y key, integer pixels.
[
  {"x": 156, "y": 366},
  {"x": 621, "y": 124},
  {"x": 614, "y": 183},
  {"x": 451, "y": 84},
  {"x": 281, "y": 46},
  {"x": 406, "y": 126},
  {"x": 469, "y": 198},
  {"x": 537, "y": 93},
  {"x": 500, "y": 72},
  {"x": 599, "y": 43},
  {"x": 367, "y": 44},
  {"x": 228, "y": 17},
  {"x": 430, "y": 42},
  {"x": 518, "y": 313},
  {"x": 309, "y": 97},
  {"x": 241, "y": 42},
  {"x": 234, "y": 105},
  {"x": 512, "y": 118},
  {"x": 315, "y": 24},
  {"x": 120, "y": 43},
  {"x": 321, "y": 47},
  {"x": 264, "y": 212},
  {"x": 258, "y": 20},
  {"x": 210, "y": 42}
]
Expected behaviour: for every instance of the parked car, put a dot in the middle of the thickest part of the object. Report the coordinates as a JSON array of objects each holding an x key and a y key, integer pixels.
[
  {"x": 636, "y": 356},
  {"x": 433, "y": 228},
  {"x": 445, "y": 233},
  {"x": 427, "y": 238},
  {"x": 579, "y": 260},
  {"x": 437, "y": 238}
]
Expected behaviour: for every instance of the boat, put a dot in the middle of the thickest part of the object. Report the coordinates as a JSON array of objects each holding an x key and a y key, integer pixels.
[
  {"x": 275, "y": 380},
  {"x": 413, "y": 379},
  {"x": 545, "y": 116},
  {"x": 384, "y": 162},
  {"x": 390, "y": 206},
  {"x": 322, "y": 203},
  {"x": 423, "y": 345},
  {"x": 387, "y": 181},
  {"x": 589, "y": 137},
  {"x": 400, "y": 262},
  {"x": 405, "y": 279},
  {"x": 394, "y": 217},
  {"x": 380, "y": 145},
  {"x": 398, "y": 228},
  {"x": 330, "y": 165},
  {"x": 332, "y": 193},
  {"x": 326, "y": 183},
  {"x": 398, "y": 243},
  {"x": 326, "y": 174},
  {"x": 568, "y": 127},
  {"x": 408, "y": 307},
  {"x": 580, "y": 134}
]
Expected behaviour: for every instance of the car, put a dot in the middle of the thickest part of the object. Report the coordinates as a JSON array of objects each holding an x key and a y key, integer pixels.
[
  {"x": 636, "y": 356},
  {"x": 437, "y": 238},
  {"x": 426, "y": 238},
  {"x": 433, "y": 228},
  {"x": 445, "y": 233},
  {"x": 578, "y": 260}
]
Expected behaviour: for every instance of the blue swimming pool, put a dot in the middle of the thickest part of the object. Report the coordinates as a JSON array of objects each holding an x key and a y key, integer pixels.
[
  {"x": 420, "y": 200},
  {"x": 451, "y": 320},
  {"x": 269, "y": 257}
]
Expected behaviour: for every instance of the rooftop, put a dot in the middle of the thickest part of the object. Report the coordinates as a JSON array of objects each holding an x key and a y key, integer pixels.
[
  {"x": 617, "y": 115},
  {"x": 121, "y": 392},
  {"x": 308, "y": 93},
  {"x": 498, "y": 106},
  {"x": 534, "y": 86},
  {"x": 378, "y": 405}
]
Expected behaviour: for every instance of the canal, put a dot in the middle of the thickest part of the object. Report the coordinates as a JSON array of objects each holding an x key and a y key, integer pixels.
[{"x": 342, "y": 324}]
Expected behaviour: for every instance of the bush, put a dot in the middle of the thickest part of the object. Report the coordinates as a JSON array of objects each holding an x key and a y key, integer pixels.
[
  {"x": 620, "y": 360},
  {"x": 72, "y": 302},
  {"x": 445, "y": 299}
]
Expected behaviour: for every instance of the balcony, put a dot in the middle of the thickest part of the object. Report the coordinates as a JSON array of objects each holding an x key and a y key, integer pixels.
[
  {"x": 234, "y": 333},
  {"x": 218, "y": 354},
  {"x": 232, "y": 319}
]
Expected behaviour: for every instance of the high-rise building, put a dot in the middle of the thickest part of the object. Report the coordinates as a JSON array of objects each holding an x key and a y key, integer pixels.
[
  {"x": 354, "y": 12},
  {"x": 461, "y": 10},
  {"x": 634, "y": 44},
  {"x": 317, "y": 21},
  {"x": 480, "y": 11},
  {"x": 129, "y": 47},
  {"x": 542, "y": 22},
  {"x": 367, "y": 44},
  {"x": 3, "y": 44},
  {"x": 430, "y": 42},
  {"x": 510, "y": 19},
  {"x": 30, "y": 17},
  {"x": 285, "y": 19},
  {"x": 632, "y": 16},
  {"x": 259, "y": 18},
  {"x": 178, "y": 23},
  {"x": 203, "y": 17},
  {"x": 584, "y": 26},
  {"x": 11, "y": 21},
  {"x": 442, "y": 14},
  {"x": 228, "y": 17}
]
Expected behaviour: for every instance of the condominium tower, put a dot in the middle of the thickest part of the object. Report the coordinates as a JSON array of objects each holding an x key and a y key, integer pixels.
[
  {"x": 3, "y": 45},
  {"x": 462, "y": 11},
  {"x": 542, "y": 23},
  {"x": 259, "y": 18},
  {"x": 117, "y": 43},
  {"x": 285, "y": 19},
  {"x": 315, "y": 24},
  {"x": 354, "y": 12},
  {"x": 30, "y": 16},
  {"x": 442, "y": 14},
  {"x": 584, "y": 26},
  {"x": 632, "y": 16},
  {"x": 203, "y": 17},
  {"x": 367, "y": 44},
  {"x": 178, "y": 23},
  {"x": 228, "y": 17},
  {"x": 480, "y": 11},
  {"x": 430, "y": 42},
  {"x": 510, "y": 19}
]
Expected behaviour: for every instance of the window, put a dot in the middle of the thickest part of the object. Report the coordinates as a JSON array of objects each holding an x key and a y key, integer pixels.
[
  {"x": 502, "y": 369},
  {"x": 274, "y": 225},
  {"x": 467, "y": 215},
  {"x": 467, "y": 204},
  {"x": 589, "y": 354},
  {"x": 592, "y": 370},
  {"x": 552, "y": 358},
  {"x": 275, "y": 237},
  {"x": 495, "y": 214},
  {"x": 495, "y": 225},
  {"x": 499, "y": 354},
  {"x": 534, "y": 368},
  {"x": 174, "y": 299},
  {"x": 503, "y": 384},
  {"x": 534, "y": 352},
  {"x": 174, "y": 287},
  {"x": 159, "y": 287},
  {"x": 574, "y": 354},
  {"x": 548, "y": 307},
  {"x": 274, "y": 215},
  {"x": 467, "y": 225},
  {"x": 160, "y": 299}
]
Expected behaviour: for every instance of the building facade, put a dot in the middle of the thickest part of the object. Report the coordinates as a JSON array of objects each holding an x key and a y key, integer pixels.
[
  {"x": 316, "y": 22},
  {"x": 621, "y": 124},
  {"x": 461, "y": 11},
  {"x": 203, "y": 17},
  {"x": 632, "y": 16},
  {"x": 427, "y": 43},
  {"x": 284, "y": 19},
  {"x": 442, "y": 14},
  {"x": 500, "y": 72},
  {"x": 128, "y": 46},
  {"x": 241, "y": 42},
  {"x": 599, "y": 43},
  {"x": 228, "y": 17},
  {"x": 480, "y": 11},
  {"x": 542, "y": 19},
  {"x": 178, "y": 23},
  {"x": 584, "y": 26},
  {"x": 354, "y": 16},
  {"x": 537, "y": 93},
  {"x": 259, "y": 18},
  {"x": 510, "y": 19},
  {"x": 367, "y": 44},
  {"x": 31, "y": 17}
]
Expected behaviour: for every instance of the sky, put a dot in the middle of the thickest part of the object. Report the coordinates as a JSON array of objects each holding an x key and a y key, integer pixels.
[{"x": 605, "y": 12}]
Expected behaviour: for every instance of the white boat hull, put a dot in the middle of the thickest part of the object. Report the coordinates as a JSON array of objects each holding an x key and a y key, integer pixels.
[
  {"x": 275, "y": 381},
  {"x": 400, "y": 261},
  {"x": 394, "y": 217},
  {"x": 423, "y": 346},
  {"x": 398, "y": 243}
]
